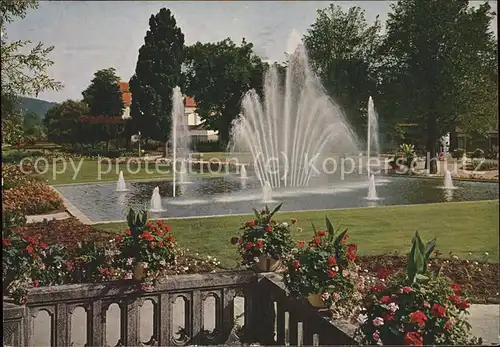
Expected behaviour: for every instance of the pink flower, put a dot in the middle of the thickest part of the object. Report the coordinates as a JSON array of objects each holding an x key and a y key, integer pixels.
[
  {"x": 376, "y": 336},
  {"x": 407, "y": 290},
  {"x": 378, "y": 321}
]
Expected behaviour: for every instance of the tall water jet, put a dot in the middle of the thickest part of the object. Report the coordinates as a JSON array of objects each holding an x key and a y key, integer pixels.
[
  {"x": 182, "y": 173},
  {"x": 372, "y": 134},
  {"x": 243, "y": 172},
  {"x": 372, "y": 191},
  {"x": 292, "y": 129},
  {"x": 120, "y": 185},
  {"x": 448, "y": 182},
  {"x": 267, "y": 192},
  {"x": 155, "y": 204},
  {"x": 179, "y": 134}
]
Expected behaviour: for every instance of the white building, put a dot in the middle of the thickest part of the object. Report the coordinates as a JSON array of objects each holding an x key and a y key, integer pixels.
[{"x": 196, "y": 128}]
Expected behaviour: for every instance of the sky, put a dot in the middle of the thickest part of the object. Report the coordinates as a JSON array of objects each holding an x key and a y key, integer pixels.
[{"x": 93, "y": 35}]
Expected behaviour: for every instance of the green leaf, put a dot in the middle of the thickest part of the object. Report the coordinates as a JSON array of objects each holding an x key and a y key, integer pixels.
[
  {"x": 314, "y": 228},
  {"x": 411, "y": 267},
  {"x": 276, "y": 209},
  {"x": 257, "y": 214},
  {"x": 429, "y": 248},
  {"x": 329, "y": 226},
  {"x": 340, "y": 237}
]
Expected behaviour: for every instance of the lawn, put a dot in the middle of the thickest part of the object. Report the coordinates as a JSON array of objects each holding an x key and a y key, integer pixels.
[
  {"x": 70, "y": 172},
  {"x": 460, "y": 228}
]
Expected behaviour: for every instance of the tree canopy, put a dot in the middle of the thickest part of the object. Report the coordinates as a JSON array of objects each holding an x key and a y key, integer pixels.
[
  {"x": 439, "y": 55},
  {"x": 342, "y": 49},
  {"x": 103, "y": 95},
  {"x": 217, "y": 76},
  {"x": 63, "y": 122},
  {"x": 157, "y": 72}
]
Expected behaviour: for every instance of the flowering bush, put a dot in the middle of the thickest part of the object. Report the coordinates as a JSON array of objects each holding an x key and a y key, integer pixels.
[
  {"x": 31, "y": 199},
  {"x": 325, "y": 265},
  {"x": 145, "y": 244},
  {"x": 264, "y": 236},
  {"x": 13, "y": 176},
  {"x": 416, "y": 308}
]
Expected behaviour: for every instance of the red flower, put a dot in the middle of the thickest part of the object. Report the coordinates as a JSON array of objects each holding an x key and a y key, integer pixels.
[
  {"x": 463, "y": 305},
  {"x": 332, "y": 274},
  {"x": 322, "y": 233},
  {"x": 377, "y": 288},
  {"x": 119, "y": 238},
  {"x": 161, "y": 243},
  {"x": 152, "y": 244},
  {"x": 437, "y": 253},
  {"x": 388, "y": 317},
  {"x": 43, "y": 245},
  {"x": 454, "y": 298},
  {"x": 35, "y": 283},
  {"x": 383, "y": 273},
  {"x": 248, "y": 245},
  {"x": 332, "y": 261},
  {"x": 407, "y": 290},
  {"x": 351, "y": 255},
  {"x": 447, "y": 325},
  {"x": 69, "y": 265},
  {"x": 29, "y": 249},
  {"x": 456, "y": 288},
  {"x": 296, "y": 264},
  {"x": 385, "y": 299},
  {"x": 260, "y": 243},
  {"x": 127, "y": 232},
  {"x": 438, "y": 310},
  {"x": 418, "y": 317},
  {"x": 147, "y": 236},
  {"x": 413, "y": 338},
  {"x": 352, "y": 247},
  {"x": 294, "y": 220},
  {"x": 250, "y": 223},
  {"x": 269, "y": 229},
  {"x": 317, "y": 240},
  {"x": 344, "y": 238},
  {"x": 6, "y": 242},
  {"x": 300, "y": 244}
]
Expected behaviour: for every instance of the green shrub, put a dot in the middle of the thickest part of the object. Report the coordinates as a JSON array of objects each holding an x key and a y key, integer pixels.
[
  {"x": 16, "y": 157},
  {"x": 458, "y": 153},
  {"x": 483, "y": 165}
]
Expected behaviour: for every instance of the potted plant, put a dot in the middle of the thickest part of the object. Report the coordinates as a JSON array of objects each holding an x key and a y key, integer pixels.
[
  {"x": 323, "y": 269},
  {"x": 416, "y": 308},
  {"x": 145, "y": 249},
  {"x": 264, "y": 242}
]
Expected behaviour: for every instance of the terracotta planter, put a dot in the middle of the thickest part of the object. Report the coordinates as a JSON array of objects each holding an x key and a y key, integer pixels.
[
  {"x": 138, "y": 273},
  {"x": 267, "y": 264},
  {"x": 315, "y": 301}
]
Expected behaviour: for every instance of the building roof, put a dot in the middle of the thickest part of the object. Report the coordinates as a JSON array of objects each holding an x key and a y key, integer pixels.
[
  {"x": 126, "y": 95},
  {"x": 189, "y": 102}
]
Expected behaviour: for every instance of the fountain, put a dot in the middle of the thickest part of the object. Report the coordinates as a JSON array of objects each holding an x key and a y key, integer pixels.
[
  {"x": 243, "y": 172},
  {"x": 267, "y": 192},
  {"x": 156, "y": 201},
  {"x": 179, "y": 136},
  {"x": 292, "y": 129},
  {"x": 120, "y": 185},
  {"x": 448, "y": 182},
  {"x": 372, "y": 136},
  {"x": 372, "y": 191}
]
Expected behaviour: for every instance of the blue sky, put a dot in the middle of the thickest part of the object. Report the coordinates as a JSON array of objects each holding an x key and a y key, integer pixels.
[{"x": 92, "y": 35}]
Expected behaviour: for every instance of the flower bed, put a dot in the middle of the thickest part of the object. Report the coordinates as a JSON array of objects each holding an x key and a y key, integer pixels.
[
  {"x": 26, "y": 193},
  {"x": 66, "y": 251},
  {"x": 479, "y": 278}
]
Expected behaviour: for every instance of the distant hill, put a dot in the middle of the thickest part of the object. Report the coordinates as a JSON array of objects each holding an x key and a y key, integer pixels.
[{"x": 35, "y": 105}]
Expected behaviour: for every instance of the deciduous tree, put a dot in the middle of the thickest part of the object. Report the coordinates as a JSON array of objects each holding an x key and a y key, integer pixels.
[
  {"x": 342, "y": 49},
  {"x": 63, "y": 123},
  {"x": 217, "y": 76},
  {"x": 439, "y": 59}
]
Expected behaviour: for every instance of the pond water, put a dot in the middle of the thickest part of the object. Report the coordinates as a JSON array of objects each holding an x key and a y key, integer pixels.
[{"x": 222, "y": 196}]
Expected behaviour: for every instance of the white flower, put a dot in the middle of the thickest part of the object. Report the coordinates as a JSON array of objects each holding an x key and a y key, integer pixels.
[
  {"x": 378, "y": 321},
  {"x": 455, "y": 257},
  {"x": 336, "y": 268},
  {"x": 186, "y": 268},
  {"x": 284, "y": 225},
  {"x": 256, "y": 259},
  {"x": 325, "y": 296},
  {"x": 145, "y": 265},
  {"x": 486, "y": 254},
  {"x": 345, "y": 273},
  {"x": 130, "y": 261},
  {"x": 336, "y": 297},
  {"x": 362, "y": 318},
  {"x": 476, "y": 263},
  {"x": 393, "y": 307},
  {"x": 128, "y": 276},
  {"x": 470, "y": 253},
  {"x": 163, "y": 262}
]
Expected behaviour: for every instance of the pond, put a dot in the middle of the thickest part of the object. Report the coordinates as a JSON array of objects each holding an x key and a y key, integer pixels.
[{"x": 101, "y": 202}]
